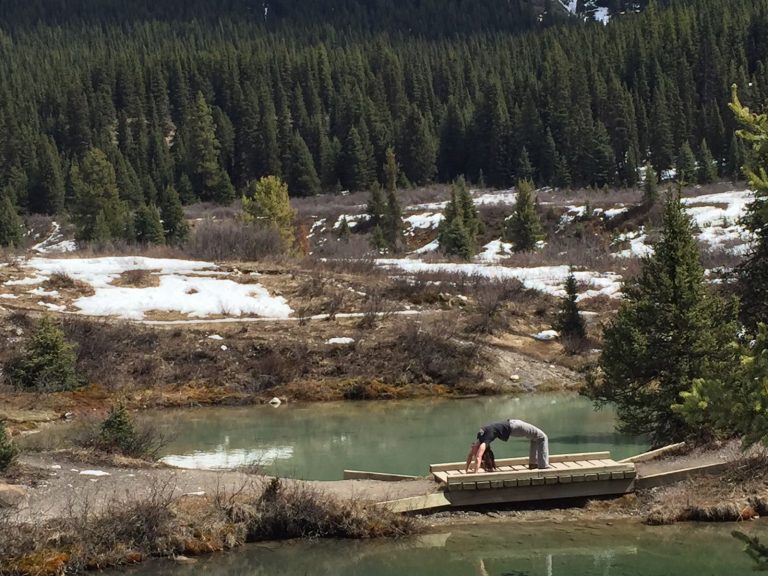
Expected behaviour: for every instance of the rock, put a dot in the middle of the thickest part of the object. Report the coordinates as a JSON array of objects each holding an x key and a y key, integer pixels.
[
  {"x": 184, "y": 560},
  {"x": 12, "y": 495},
  {"x": 275, "y": 402},
  {"x": 515, "y": 378}
]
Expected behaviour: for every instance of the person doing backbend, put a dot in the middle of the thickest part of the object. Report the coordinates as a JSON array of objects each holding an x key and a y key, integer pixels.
[{"x": 480, "y": 452}]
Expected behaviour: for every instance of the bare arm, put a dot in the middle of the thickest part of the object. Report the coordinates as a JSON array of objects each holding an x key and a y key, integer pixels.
[
  {"x": 470, "y": 456},
  {"x": 475, "y": 457}
]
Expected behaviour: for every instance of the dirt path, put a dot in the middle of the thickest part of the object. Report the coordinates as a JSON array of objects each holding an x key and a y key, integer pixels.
[{"x": 67, "y": 485}]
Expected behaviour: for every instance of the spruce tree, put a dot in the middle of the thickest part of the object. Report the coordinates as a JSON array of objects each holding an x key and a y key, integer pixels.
[
  {"x": 669, "y": 331},
  {"x": 302, "y": 174},
  {"x": 174, "y": 222},
  {"x": 10, "y": 223},
  {"x": 210, "y": 182},
  {"x": 458, "y": 231},
  {"x": 686, "y": 164},
  {"x": 148, "y": 227},
  {"x": 650, "y": 186},
  {"x": 707, "y": 165},
  {"x": 523, "y": 228},
  {"x": 343, "y": 232},
  {"x": 267, "y": 202},
  {"x": 418, "y": 150},
  {"x": 392, "y": 223},
  {"x": 47, "y": 196},
  {"x": 95, "y": 189},
  {"x": 377, "y": 205},
  {"x": 753, "y": 272},
  {"x": 377, "y": 241},
  {"x": 524, "y": 167},
  {"x": 354, "y": 163},
  {"x": 48, "y": 362},
  {"x": 569, "y": 322}
]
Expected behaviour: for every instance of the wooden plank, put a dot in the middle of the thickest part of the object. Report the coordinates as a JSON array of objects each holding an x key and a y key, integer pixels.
[
  {"x": 416, "y": 503},
  {"x": 591, "y": 477},
  {"x": 665, "y": 478},
  {"x": 565, "y": 479},
  {"x": 606, "y": 475},
  {"x": 551, "y": 479},
  {"x": 524, "y": 460},
  {"x": 381, "y": 476},
  {"x": 509, "y": 483},
  {"x": 535, "y": 493},
  {"x": 653, "y": 454},
  {"x": 537, "y": 481},
  {"x": 593, "y": 469},
  {"x": 497, "y": 483},
  {"x": 578, "y": 477},
  {"x": 441, "y": 477},
  {"x": 484, "y": 485}
]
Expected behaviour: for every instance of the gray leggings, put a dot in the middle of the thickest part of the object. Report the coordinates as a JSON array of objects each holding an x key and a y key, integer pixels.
[{"x": 539, "y": 450}]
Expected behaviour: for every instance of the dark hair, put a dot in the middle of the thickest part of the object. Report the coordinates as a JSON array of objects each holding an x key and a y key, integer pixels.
[{"x": 489, "y": 460}]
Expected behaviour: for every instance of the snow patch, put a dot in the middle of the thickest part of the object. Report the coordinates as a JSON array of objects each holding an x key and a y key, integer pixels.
[
  {"x": 546, "y": 335},
  {"x": 495, "y": 251},
  {"x": 340, "y": 341},
  {"x": 94, "y": 473},
  {"x": 425, "y": 221}
]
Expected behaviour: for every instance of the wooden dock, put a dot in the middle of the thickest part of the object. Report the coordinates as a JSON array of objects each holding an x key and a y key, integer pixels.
[{"x": 591, "y": 474}]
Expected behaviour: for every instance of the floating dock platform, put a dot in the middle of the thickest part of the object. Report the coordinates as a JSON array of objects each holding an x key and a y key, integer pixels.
[{"x": 590, "y": 474}]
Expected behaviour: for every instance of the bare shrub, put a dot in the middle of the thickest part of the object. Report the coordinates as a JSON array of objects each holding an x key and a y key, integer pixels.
[
  {"x": 312, "y": 287},
  {"x": 433, "y": 352},
  {"x": 62, "y": 282},
  {"x": 279, "y": 365},
  {"x": 364, "y": 266},
  {"x": 334, "y": 304},
  {"x": 375, "y": 308},
  {"x": 490, "y": 297},
  {"x": 294, "y": 510},
  {"x": 232, "y": 240}
]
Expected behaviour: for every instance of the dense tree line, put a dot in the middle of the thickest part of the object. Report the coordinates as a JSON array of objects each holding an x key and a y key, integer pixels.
[{"x": 166, "y": 100}]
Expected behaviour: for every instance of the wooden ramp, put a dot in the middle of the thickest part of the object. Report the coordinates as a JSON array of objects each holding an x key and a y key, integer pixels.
[{"x": 569, "y": 476}]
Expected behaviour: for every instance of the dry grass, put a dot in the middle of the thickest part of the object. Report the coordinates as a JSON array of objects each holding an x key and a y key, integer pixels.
[
  {"x": 95, "y": 536},
  {"x": 64, "y": 283},
  {"x": 137, "y": 279}
]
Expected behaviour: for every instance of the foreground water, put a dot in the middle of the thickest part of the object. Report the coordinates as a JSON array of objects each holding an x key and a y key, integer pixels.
[
  {"x": 504, "y": 549},
  {"x": 319, "y": 441}
]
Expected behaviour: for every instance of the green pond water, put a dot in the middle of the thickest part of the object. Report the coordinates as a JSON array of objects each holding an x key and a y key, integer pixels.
[
  {"x": 319, "y": 441},
  {"x": 499, "y": 549}
]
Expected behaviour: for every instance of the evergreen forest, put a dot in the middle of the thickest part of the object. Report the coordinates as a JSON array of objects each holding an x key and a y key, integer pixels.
[{"x": 109, "y": 106}]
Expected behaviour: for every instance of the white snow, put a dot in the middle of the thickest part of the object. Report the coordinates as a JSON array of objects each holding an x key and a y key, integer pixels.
[
  {"x": 508, "y": 197},
  {"x": 9, "y": 296},
  {"x": 613, "y": 212},
  {"x": 178, "y": 291},
  {"x": 427, "y": 248},
  {"x": 43, "y": 292},
  {"x": 638, "y": 245},
  {"x": 495, "y": 251},
  {"x": 341, "y": 341},
  {"x": 53, "y": 307},
  {"x": 197, "y": 297},
  {"x": 424, "y": 221},
  {"x": 546, "y": 335},
  {"x": 94, "y": 473},
  {"x": 55, "y": 242},
  {"x": 601, "y": 15},
  {"x": 718, "y": 217},
  {"x": 215, "y": 337},
  {"x": 317, "y": 227},
  {"x": 352, "y": 220},
  {"x": 548, "y": 279}
]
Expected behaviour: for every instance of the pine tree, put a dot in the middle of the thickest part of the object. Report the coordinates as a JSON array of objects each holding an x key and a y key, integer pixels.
[
  {"x": 376, "y": 205},
  {"x": 174, "y": 222},
  {"x": 669, "y": 331},
  {"x": 267, "y": 202},
  {"x": 343, "y": 232},
  {"x": 95, "y": 190},
  {"x": 459, "y": 229},
  {"x": 569, "y": 322},
  {"x": 753, "y": 272},
  {"x": 148, "y": 227},
  {"x": 302, "y": 175},
  {"x": 392, "y": 223},
  {"x": 707, "y": 165},
  {"x": 210, "y": 181},
  {"x": 48, "y": 362},
  {"x": 418, "y": 150},
  {"x": 523, "y": 228},
  {"x": 735, "y": 158},
  {"x": 355, "y": 161},
  {"x": 524, "y": 167},
  {"x": 47, "y": 196},
  {"x": 378, "y": 242},
  {"x": 686, "y": 164},
  {"x": 10, "y": 223},
  {"x": 650, "y": 186}
]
